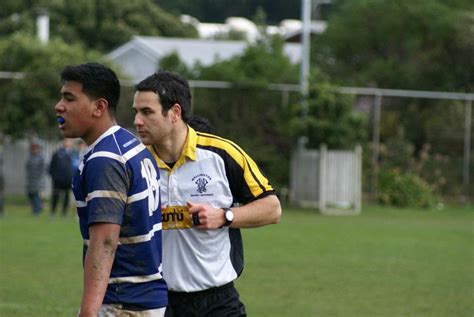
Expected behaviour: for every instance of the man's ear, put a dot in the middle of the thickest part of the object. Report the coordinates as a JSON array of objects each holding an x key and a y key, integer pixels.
[
  {"x": 175, "y": 112},
  {"x": 101, "y": 107}
]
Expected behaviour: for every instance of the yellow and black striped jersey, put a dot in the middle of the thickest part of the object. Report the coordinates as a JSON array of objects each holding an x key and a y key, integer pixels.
[{"x": 218, "y": 172}]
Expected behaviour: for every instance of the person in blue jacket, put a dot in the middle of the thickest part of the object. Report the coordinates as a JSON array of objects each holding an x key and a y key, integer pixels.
[{"x": 61, "y": 171}]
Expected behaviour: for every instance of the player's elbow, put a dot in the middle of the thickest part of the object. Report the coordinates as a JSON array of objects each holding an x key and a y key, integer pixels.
[
  {"x": 277, "y": 215},
  {"x": 276, "y": 210}
]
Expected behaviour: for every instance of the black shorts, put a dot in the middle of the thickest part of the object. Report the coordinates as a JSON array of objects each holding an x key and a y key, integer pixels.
[{"x": 222, "y": 301}]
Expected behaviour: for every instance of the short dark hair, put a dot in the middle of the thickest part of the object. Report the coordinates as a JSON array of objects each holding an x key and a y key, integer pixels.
[
  {"x": 200, "y": 124},
  {"x": 98, "y": 81},
  {"x": 171, "y": 88}
]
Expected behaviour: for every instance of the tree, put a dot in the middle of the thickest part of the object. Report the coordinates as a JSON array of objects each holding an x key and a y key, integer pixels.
[
  {"x": 218, "y": 11},
  {"x": 405, "y": 44},
  {"x": 27, "y": 104},
  {"x": 415, "y": 45},
  {"x": 108, "y": 23},
  {"x": 263, "y": 62},
  {"x": 330, "y": 119},
  {"x": 173, "y": 63}
]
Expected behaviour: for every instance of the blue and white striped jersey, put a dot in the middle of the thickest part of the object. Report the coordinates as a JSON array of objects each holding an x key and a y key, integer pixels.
[{"x": 118, "y": 182}]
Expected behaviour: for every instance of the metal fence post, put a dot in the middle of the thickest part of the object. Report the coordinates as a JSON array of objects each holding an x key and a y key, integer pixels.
[
  {"x": 467, "y": 147},
  {"x": 376, "y": 142}
]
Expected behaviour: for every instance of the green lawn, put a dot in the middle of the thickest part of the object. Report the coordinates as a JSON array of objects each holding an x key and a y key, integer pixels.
[{"x": 385, "y": 262}]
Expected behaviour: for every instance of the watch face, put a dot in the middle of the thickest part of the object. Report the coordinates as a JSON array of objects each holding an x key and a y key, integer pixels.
[{"x": 229, "y": 215}]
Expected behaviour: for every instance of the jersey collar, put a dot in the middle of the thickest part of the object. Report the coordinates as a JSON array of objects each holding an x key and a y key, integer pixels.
[
  {"x": 188, "y": 152},
  {"x": 109, "y": 131}
]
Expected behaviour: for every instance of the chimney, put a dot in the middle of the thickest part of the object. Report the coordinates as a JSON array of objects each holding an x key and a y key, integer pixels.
[{"x": 42, "y": 26}]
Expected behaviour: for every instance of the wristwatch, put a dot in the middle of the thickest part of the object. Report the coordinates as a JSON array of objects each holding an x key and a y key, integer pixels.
[{"x": 228, "y": 216}]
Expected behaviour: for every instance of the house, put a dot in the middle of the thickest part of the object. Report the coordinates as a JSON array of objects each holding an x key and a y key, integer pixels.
[
  {"x": 289, "y": 29},
  {"x": 140, "y": 57}
]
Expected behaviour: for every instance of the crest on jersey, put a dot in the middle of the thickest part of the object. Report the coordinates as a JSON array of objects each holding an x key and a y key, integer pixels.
[{"x": 201, "y": 181}]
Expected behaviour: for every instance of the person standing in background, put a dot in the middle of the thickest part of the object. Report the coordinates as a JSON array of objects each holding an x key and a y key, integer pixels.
[
  {"x": 35, "y": 170},
  {"x": 61, "y": 171}
]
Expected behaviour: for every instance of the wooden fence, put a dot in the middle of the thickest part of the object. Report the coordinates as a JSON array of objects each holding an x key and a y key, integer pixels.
[
  {"x": 330, "y": 180},
  {"x": 327, "y": 179}
]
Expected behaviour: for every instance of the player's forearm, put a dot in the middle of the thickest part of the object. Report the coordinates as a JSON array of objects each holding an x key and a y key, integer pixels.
[
  {"x": 97, "y": 266},
  {"x": 261, "y": 212},
  {"x": 258, "y": 213},
  {"x": 96, "y": 276}
]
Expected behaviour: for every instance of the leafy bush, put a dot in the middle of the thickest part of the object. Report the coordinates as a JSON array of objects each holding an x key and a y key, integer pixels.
[
  {"x": 330, "y": 119},
  {"x": 404, "y": 190},
  {"x": 441, "y": 171}
]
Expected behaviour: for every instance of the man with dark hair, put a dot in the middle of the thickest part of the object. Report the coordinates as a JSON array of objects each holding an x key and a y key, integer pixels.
[
  {"x": 171, "y": 88},
  {"x": 211, "y": 189},
  {"x": 118, "y": 200}
]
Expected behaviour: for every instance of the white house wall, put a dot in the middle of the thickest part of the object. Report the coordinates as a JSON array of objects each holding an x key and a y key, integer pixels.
[
  {"x": 139, "y": 57},
  {"x": 136, "y": 65}
]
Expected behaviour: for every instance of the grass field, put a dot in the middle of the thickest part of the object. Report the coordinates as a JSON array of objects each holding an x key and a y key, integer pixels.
[{"x": 385, "y": 262}]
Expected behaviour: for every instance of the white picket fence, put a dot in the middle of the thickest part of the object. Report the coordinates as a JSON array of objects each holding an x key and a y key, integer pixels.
[
  {"x": 330, "y": 180},
  {"x": 327, "y": 179}
]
